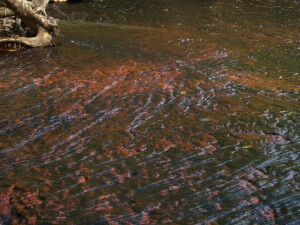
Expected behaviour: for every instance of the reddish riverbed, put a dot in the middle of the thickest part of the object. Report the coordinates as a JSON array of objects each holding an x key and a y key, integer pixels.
[{"x": 155, "y": 112}]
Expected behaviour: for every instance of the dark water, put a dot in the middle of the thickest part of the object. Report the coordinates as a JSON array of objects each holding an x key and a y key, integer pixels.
[{"x": 155, "y": 112}]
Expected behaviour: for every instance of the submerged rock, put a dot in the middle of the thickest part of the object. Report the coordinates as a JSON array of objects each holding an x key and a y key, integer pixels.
[{"x": 20, "y": 206}]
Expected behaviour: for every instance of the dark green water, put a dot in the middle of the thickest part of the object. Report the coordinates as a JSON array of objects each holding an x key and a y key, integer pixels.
[{"x": 155, "y": 112}]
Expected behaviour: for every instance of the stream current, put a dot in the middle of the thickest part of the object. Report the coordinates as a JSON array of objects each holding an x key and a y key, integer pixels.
[{"x": 155, "y": 112}]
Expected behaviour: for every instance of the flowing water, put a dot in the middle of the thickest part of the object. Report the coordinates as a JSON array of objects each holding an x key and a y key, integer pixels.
[{"x": 155, "y": 112}]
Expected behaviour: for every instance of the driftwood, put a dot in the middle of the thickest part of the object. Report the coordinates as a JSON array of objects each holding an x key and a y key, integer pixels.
[{"x": 25, "y": 23}]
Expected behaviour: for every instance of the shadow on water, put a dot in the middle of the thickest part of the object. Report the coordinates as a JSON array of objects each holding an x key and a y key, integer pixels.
[{"x": 155, "y": 112}]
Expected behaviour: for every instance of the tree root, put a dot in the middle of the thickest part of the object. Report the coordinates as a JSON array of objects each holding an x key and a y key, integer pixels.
[
  {"x": 21, "y": 23},
  {"x": 6, "y": 12},
  {"x": 43, "y": 38}
]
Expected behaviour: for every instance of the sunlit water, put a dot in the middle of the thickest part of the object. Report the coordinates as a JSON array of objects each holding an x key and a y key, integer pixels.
[{"x": 155, "y": 112}]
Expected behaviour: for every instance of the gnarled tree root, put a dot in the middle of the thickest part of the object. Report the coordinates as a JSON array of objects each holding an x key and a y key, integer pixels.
[
  {"x": 23, "y": 24},
  {"x": 43, "y": 38},
  {"x": 5, "y": 12}
]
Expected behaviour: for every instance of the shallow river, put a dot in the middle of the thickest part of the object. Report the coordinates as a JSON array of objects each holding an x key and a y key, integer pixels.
[{"x": 155, "y": 112}]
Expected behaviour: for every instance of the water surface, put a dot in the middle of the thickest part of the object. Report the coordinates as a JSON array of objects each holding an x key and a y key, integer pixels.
[{"x": 155, "y": 112}]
